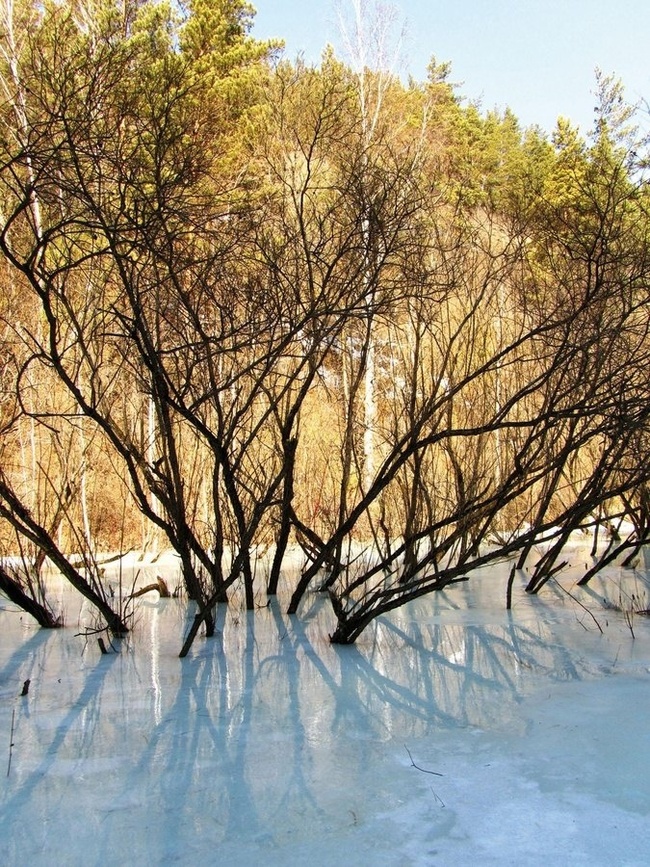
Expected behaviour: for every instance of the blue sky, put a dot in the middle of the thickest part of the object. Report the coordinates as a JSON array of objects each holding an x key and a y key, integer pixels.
[{"x": 536, "y": 56}]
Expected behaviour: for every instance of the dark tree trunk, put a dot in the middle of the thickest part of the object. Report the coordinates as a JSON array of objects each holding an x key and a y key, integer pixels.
[
  {"x": 285, "y": 519},
  {"x": 12, "y": 589}
]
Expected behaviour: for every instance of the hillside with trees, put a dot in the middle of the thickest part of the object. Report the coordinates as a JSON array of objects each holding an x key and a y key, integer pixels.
[{"x": 251, "y": 306}]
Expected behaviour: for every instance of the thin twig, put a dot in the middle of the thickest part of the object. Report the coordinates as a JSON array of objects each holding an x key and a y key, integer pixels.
[
  {"x": 11, "y": 739},
  {"x": 590, "y": 613},
  {"x": 418, "y": 768}
]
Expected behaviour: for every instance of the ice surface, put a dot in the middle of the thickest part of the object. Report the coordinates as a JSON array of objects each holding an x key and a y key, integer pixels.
[{"x": 270, "y": 746}]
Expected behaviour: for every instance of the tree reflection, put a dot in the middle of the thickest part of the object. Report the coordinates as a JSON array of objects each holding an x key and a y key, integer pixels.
[{"x": 269, "y": 731}]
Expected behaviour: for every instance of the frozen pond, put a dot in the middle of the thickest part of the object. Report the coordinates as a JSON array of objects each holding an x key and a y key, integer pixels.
[{"x": 269, "y": 746}]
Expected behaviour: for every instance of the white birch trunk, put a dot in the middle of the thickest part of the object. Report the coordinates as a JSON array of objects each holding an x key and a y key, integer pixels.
[{"x": 370, "y": 413}]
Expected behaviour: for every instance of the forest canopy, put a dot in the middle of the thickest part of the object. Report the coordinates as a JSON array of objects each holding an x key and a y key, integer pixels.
[{"x": 252, "y": 306}]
